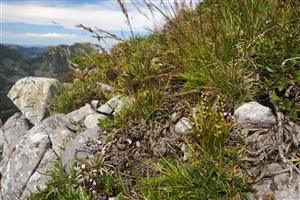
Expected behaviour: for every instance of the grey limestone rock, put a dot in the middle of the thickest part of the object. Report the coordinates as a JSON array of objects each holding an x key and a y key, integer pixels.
[
  {"x": 115, "y": 105},
  {"x": 13, "y": 130},
  {"x": 22, "y": 164},
  {"x": 38, "y": 179},
  {"x": 33, "y": 96},
  {"x": 77, "y": 117},
  {"x": 76, "y": 149}
]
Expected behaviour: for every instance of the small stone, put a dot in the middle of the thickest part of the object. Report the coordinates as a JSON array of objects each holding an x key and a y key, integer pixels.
[
  {"x": 183, "y": 126},
  {"x": 185, "y": 158},
  {"x": 109, "y": 107},
  {"x": 129, "y": 141},
  {"x": 183, "y": 147},
  {"x": 174, "y": 117},
  {"x": 78, "y": 116},
  {"x": 92, "y": 120},
  {"x": 95, "y": 104},
  {"x": 106, "y": 87},
  {"x": 94, "y": 183},
  {"x": 137, "y": 143}
]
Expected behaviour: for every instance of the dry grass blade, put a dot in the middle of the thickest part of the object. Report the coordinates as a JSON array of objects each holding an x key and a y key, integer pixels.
[
  {"x": 139, "y": 10},
  {"x": 125, "y": 12},
  {"x": 109, "y": 35}
]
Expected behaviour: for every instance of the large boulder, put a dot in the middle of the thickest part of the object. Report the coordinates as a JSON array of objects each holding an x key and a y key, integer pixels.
[
  {"x": 33, "y": 96},
  {"x": 254, "y": 113},
  {"x": 32, "y": 155},
  {"x": 22, "y": 164}
]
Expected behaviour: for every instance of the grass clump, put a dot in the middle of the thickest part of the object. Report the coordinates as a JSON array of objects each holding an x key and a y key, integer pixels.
[
  {"x": 90, "y": 179},
  {"x": 212, "y": 168},
  {"x": 62, "y": 185},
  {"x": 202, "y": 178}
]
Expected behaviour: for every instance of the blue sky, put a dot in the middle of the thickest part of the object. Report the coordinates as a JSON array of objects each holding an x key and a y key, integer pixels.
[{"x": 52, "y": 22}]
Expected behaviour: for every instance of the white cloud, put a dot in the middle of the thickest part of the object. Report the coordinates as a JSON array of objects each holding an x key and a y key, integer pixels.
[
  {"x": 50, "y": 35},
  {"x": 71, "y": 15}
]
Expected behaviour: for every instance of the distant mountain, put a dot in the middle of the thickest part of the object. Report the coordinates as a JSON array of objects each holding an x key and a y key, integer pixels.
[
  {"x": 52, "y": 61},
  {"x": 29, "y": 52}
]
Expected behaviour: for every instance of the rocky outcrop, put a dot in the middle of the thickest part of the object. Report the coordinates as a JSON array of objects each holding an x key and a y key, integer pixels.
[
  {"x": 10, "y": 135},
  {"x": 28, "y": 152},
  {"x": 13, "y": 130},
  {"x": 33, "y": 96},
  {"x": 22, "y": 171},
  {"x": 23, "y": 163}
]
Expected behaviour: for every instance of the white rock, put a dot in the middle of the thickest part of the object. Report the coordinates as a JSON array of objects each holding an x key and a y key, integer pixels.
[
  {"x": 33, "y": 96},
  {"x": 95, "y": 103},
  {"x": 123, "y": 103},
  {"x": 91, "y": 121},
  {"x": 78, "y": 116},
  {"x": 106, "y": 87},
  {"x": 183, "y": 126},
  {"x": 254, "y": 113},
  {"x": 109, "y": 106}
]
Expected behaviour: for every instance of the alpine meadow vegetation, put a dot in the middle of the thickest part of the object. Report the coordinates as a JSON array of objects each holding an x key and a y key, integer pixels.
[{"x": 213, "y": 56}]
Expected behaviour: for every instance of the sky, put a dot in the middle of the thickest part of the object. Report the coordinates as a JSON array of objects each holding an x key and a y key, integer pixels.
[{"x": 53, "y": 22}]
